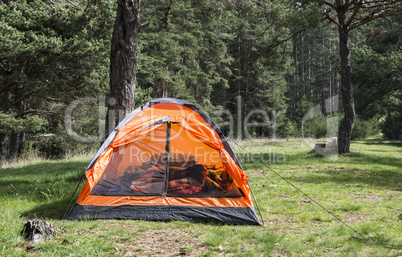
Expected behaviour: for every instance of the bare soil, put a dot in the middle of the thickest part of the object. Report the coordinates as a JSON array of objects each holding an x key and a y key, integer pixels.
[{"x": 167, "y": 242}]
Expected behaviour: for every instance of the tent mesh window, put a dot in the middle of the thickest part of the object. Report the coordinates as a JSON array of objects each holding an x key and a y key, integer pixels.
[
  {"x": 140, "y": 168},
  {"x": 137, "y": 168}
]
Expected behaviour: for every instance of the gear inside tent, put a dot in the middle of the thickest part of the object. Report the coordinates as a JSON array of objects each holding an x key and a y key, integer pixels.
[{"x": 167, "y": 160}]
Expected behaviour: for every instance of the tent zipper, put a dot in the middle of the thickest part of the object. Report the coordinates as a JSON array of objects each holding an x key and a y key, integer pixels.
[{"x": 167, "y": 150}]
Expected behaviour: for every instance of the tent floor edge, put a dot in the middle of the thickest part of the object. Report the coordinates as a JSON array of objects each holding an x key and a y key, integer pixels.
[{"x": 226, "y": 215}]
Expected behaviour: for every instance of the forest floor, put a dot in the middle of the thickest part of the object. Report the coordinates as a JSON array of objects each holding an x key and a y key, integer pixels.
[{"x": 363, "y": 189}]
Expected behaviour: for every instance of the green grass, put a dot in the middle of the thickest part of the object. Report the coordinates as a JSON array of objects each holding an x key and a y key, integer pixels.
[{"x": 364, "y": 189}]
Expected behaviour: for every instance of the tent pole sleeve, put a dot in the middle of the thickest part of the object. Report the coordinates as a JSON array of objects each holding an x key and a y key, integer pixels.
[{"x": 165, "y": 188}]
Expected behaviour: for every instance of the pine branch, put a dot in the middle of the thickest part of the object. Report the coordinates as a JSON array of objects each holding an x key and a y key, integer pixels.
[
  {"x": 378, "y": 3},
  {"x": 351, "y": 3},
  {"x": 360, "y": 4},
  {"x": 37, "y": 111},
  {"x": 280, "y": 42},
  {"x": 373, "y": 16},
  {"x": 332, "y": 20},
  {"x": 7, "y": 87},
  {"x": 328, "y": 4},
  {"x": 24, "y": 97},
  {"x": 50, "y": 98},
  {"x": 80, "y": 86}
]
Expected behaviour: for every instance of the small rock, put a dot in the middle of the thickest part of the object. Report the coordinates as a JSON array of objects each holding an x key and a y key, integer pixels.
[{"x": 220, "y": 248}]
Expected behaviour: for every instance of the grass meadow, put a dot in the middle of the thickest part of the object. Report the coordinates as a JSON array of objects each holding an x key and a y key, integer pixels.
[{"x": 363, "y": 189}]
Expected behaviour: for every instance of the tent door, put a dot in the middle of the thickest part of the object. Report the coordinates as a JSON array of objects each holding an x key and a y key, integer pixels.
[{"x": 167, "y": 158}]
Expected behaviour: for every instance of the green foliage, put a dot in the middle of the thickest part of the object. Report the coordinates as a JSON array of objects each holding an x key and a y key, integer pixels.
[
  {"x": 366, "y": 128},
  {"x": 142, "y": 95},
  {"x": 391, "y": 126},
  {"x": 377, "y": 75},
  {"x": 316, "y": 76},
  {"x": 207, "y": 52},
  {"x": 182, "y": 52},
  {"x": 51, "y": 147},
  {"x": 51, "y": 54},
  {"x": 316, "y": 127},
  {"x": 31, "y": 124},
  {"x": 288, "y": 129}
]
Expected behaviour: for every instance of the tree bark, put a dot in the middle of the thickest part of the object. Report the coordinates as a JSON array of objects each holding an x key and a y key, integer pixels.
[
  {"x": 123, "y": 62},
  {"x": 348, "y": 121},
  {"x": 391, "y": 126},
  {"x": 160, "y": 88}
]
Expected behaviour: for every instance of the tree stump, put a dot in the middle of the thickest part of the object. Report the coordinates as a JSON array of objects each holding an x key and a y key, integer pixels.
[{"x": 37, "y": 231}]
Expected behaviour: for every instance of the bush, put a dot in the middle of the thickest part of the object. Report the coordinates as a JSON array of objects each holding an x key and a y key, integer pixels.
[
  {"x": 287, "y": 129},
  {"x": 365, "y": 128},
  {"x": 316, "y": 127},
  {"x": 391, "y": 126},
  {"x": 51, "y": 147}
]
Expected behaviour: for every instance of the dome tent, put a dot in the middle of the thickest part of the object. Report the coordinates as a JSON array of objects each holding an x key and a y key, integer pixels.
[{"x": 167, "y": 160}]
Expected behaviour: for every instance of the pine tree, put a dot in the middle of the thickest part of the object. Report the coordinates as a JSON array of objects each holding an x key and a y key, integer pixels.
[
  {"x": 348, "y": 15},
  {"x": 182, "y": 53},
  {"x": 50, "y": 54}
]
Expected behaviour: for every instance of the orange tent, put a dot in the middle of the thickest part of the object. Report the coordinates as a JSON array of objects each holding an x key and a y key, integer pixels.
[{"x": 167, "y": 160}]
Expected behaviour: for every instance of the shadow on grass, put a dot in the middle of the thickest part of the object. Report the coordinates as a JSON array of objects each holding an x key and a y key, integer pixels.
[
  {"x": 378, "y": 240},
  {"x": 383, "y": 179},
  {"x": 50, "y": 210},
  {"x": 377, "y": 142},
  {"x": 47, "y": 168},
  {"x": 356, "y": 158},
  {"x": 355, "y": 168},
  {"x": 50, "y": 184}
]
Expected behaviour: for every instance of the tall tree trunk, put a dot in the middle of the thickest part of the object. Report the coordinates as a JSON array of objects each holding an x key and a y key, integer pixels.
[
  {"x": 391, "y": 126},
  {"x": 160, "y": 88},
  {"x": 348, "y": 121},
  {"x": 123, "y": 62}
]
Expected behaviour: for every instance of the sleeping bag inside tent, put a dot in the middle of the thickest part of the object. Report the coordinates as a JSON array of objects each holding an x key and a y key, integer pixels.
[{"x": 167, "y": 160}]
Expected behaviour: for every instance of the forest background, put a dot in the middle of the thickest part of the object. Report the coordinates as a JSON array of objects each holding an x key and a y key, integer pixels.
[{"x": 225, "y": 59}]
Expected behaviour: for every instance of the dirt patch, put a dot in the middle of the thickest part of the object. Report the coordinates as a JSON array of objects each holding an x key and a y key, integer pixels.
[
  {"x": 142, "y": 241},
  {"x": 371, "y": 198},
  {"x": 167, "y": 242},
  {"x": 314, "y": 169},
  {"x": 353, "y": 217},
  {"x": 280, "y": 219},
  {"x": 255, "y": 173}
]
